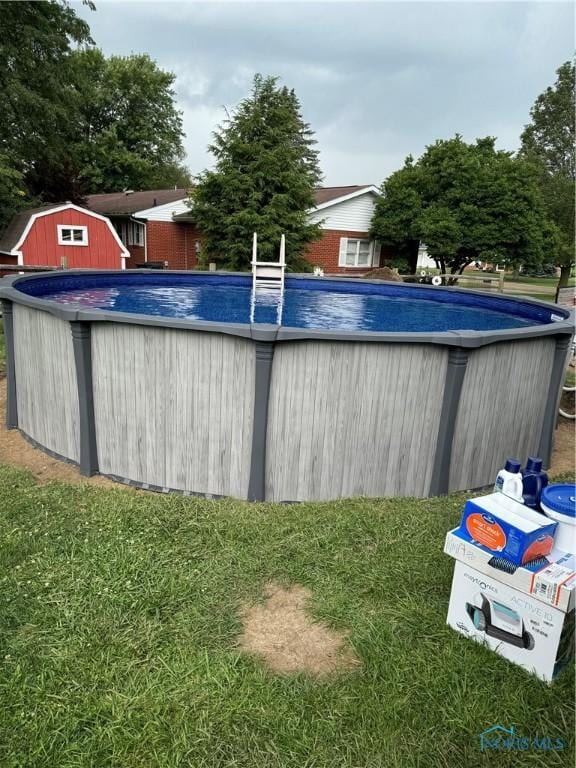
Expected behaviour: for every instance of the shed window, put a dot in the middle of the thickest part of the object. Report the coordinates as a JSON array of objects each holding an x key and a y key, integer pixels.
[{"x": 72, "y": 235}]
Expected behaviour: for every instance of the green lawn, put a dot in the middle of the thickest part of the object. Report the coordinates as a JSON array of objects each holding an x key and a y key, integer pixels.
[
  {"x": 539, "y": 296},
  {"x": 552, "y": 282},
  {"x": 119, "y": 623}
]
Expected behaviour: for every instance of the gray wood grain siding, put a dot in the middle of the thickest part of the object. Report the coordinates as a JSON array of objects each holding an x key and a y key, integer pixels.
[
  {"x": 501, "y": 409},
  {"x": 174, "y": 408},
  {"x": 353, "y": 419},
  {"x": 46, "y": 381}
]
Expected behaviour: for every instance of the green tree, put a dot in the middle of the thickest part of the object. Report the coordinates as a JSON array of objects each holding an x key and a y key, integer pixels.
[
  {"x": 548, "y": 141},
  {"x": 38, "y": 101},
  {"x": 466, "y": 202},
  {"x": 130, "y": 131},
  {"x": 13, "y": 194},
  {"x": 75, "y": 122},
  {"x": 264, "y": 179}
]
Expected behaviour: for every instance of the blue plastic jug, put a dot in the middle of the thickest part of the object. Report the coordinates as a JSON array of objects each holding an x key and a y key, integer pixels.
[{"x": 534, "y": 480}]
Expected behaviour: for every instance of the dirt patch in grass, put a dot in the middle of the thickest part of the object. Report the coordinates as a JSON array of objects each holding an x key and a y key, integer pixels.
[
  {"x": 563, "y": 456},
  {"x": 17, "y": 452},
  {"x": 282, "y": 632}
]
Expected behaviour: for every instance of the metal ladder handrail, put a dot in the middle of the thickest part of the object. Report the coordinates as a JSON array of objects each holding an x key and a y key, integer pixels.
[
  {"x": 269, "y": 274},
  {"x": 268, "y": 278}
]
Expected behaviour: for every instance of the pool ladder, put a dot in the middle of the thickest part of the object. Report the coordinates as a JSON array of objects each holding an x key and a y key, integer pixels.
[
  {"x": 268, "y": 274},
  {"x": 268, "y": 278}
]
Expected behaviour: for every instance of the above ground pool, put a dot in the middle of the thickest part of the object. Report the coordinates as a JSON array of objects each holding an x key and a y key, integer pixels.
[
  {"x": 305, "y": 303},
  {"x": 337, "y": 387}
]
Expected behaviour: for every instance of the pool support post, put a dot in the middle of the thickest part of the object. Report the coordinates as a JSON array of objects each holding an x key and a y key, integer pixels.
[
  {"x": 82, "y": 343},
  {"x": 455, "y": 372},
  {"x": 11, "y": 398},
  {"x": 554, "y": 395},
  {"x": 264, "y": 354}
]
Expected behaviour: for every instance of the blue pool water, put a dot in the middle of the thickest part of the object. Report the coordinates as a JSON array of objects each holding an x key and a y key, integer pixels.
[{"x": 307, "y": 303}]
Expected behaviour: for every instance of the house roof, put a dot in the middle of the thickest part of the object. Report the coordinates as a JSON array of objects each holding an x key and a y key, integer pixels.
[
  {"x": 130, "y": 202},
  {"x": 323, "y": 197},
  {"x": 327, "y": 194},
  {"x": 15, "y": 229},
  {"x": 127, "y": 203}
]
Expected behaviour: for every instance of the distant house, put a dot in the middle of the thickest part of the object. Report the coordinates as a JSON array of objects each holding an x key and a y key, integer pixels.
[
  {"x": 145, "y": 223},
  {"x": 62, "y": 235},
  {"x": 345, "y": 214},
  {"x": 158, "y": 226}
]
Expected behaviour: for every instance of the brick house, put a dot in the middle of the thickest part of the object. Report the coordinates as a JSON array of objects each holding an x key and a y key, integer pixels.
[
  {"x": 147, "y": 240},
  {"x": 345, "y": 214},
  {"x": 158, "y": 226}
]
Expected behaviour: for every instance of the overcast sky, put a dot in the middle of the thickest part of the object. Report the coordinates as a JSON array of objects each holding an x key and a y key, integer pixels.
[{"x": 376, "y": 80}]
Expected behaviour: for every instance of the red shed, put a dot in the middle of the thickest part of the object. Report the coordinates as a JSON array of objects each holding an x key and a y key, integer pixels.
[{"x": 62, "y": 235}]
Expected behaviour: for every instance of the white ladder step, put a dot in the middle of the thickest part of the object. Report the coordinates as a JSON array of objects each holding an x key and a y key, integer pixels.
[{"x": 268, "y": 274}]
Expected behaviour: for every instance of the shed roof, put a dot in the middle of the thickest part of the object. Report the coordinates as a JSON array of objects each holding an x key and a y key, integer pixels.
[{"x": 15, "y": 229}]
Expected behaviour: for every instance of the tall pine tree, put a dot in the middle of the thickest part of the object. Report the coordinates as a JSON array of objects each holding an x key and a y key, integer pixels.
[{"x": 264, "y": 180}]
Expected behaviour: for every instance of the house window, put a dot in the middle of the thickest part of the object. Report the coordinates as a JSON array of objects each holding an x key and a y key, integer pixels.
[
  {"x": 135, "y": 233},
  {"x": 69, "y": 235},
  {"x": 120, "y": 227},
  {"x": 131, "y": 232},
  {"x": 356, "y": 252}
]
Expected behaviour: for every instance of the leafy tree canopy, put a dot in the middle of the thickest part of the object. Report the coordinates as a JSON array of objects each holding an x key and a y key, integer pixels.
[
  {"x": 130, "y": 132},
  {"x": 549, "y": 141},
  {"x": 551, "y": 134},
  {"x": 36, "y": 97},
  {"x": 264, "y": 178},
  {"x": 13, "y": 195},
  {"x": 74, "y": 122},
  {"x": 466, "y": 202}
]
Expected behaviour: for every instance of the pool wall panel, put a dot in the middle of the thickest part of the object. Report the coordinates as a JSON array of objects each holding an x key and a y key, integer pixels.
[
  {"x": 174, "y": 408},
  {"x": 501, "y": 412},
  {"x": 47, "y": 394},
  {"x": 353, "y": 419}
]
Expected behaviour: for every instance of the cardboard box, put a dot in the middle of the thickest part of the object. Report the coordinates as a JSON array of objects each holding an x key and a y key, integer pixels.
[
  {"x": 503, "y": 526},
  {"x": 536, "y": 636},
  {"x": 553, "y": 583}
]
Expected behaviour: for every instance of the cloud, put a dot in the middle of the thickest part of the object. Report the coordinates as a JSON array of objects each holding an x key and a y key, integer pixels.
[{"x": 376, "y": 80}]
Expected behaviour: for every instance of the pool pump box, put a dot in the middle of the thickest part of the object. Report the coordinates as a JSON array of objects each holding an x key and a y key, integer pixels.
[
  {"x": 502, "y": 526},
  {"x": 526, "y": 630}
]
